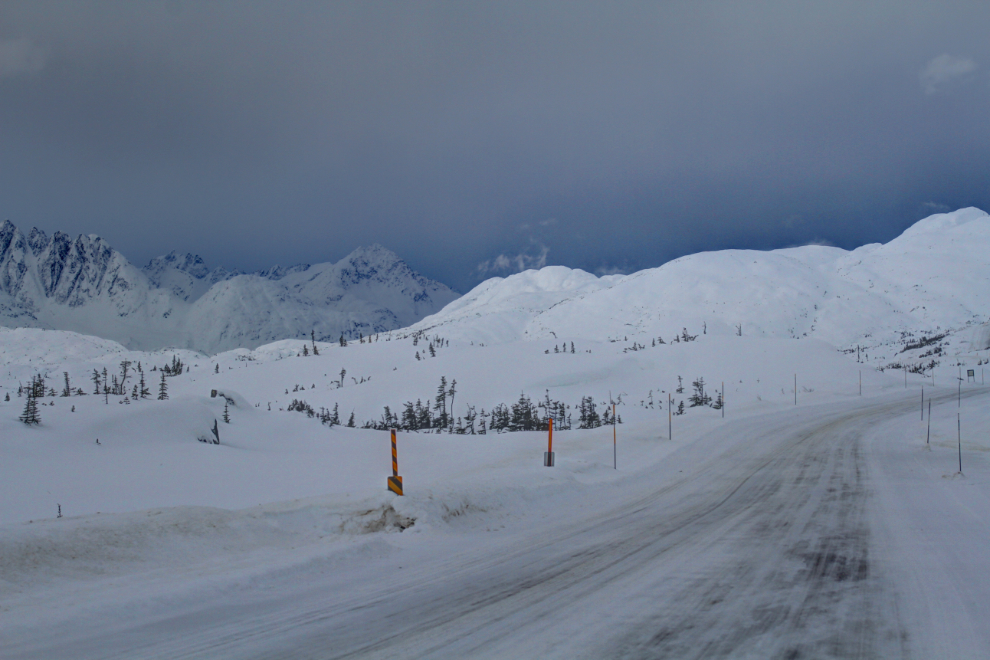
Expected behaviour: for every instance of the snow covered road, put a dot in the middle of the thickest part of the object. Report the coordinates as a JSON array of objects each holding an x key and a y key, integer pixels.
[{"x": 801, "y": 534}]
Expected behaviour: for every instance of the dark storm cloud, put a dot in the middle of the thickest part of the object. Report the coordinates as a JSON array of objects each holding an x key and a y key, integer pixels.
[{"x": 476, "y": 139}]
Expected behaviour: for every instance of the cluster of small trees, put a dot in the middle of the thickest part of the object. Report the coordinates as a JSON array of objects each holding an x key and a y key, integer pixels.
[
  {"x": 557, "y": 349},
  {"x": 437, "y": 416},
  {"x": 326, "y": 416},
  {"x": 316, "y": 350},
  {"x": 434, "y": 344},
  {"x": 175, "y": 368}
]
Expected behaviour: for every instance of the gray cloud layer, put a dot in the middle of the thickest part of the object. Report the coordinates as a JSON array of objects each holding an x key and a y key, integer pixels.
[{"x": 261, "y": 133}]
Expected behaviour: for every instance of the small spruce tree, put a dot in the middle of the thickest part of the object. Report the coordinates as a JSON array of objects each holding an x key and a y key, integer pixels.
[
  {"x": 30, "y": 415},
  {"x": 163, "y": 388}
]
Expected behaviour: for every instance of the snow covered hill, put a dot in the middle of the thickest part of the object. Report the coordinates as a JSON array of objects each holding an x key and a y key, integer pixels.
[
  {"x": 934, "y": 276},
  {"x": 116, "y": 498},
  {"x": 86, "y": 286}
]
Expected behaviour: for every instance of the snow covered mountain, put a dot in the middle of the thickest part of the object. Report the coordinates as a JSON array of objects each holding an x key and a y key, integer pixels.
[
  {"x": 86, "y": 286},
  {"x": 932, "y": 276}
]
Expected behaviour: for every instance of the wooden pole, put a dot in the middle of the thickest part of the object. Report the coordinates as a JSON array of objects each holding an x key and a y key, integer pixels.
[
  {"x": 615, "y": 450},
  {"x": 861, "y": 382},
  {"x": 959, "y": 440}
]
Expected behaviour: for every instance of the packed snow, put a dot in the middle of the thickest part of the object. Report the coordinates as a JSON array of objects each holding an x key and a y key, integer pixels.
[{"x": 820, "y": 512}]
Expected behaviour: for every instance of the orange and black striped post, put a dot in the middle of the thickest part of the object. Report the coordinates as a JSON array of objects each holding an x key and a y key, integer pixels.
[{"x": 395, "y": 481}]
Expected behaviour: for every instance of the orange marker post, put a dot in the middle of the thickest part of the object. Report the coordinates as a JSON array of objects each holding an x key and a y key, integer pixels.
[
  {"x": 548, "y": 454},
  {"x": 395, "y": 481}
]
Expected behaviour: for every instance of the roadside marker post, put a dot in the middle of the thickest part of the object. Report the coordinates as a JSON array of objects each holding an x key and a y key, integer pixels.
[
  {"x": 548, "y": 454},
  {"x": 959, "y": 440},
  {"x": 615, "y": 449},
  {"x": 395, "y": 481},
  {"x": 670, "y": 418}
]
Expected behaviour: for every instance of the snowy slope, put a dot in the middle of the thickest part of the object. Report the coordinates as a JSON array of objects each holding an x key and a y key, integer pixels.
[
  {"x": 932, "y": 276},
  {"x": 808, "y": 517},
  {"x": 84, "y": 285}
]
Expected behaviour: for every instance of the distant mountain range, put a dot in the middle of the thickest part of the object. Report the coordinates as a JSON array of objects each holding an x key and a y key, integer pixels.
[
  {"x": 86, "y": 286},
  {"x": 934, "y": 276}
]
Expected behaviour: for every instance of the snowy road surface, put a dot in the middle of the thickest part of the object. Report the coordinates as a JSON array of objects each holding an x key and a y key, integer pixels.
[{"x": 822, "y": 532}]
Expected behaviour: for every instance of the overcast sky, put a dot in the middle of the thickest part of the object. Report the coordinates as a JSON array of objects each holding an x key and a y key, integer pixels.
[{"x": 475, "y": 139}]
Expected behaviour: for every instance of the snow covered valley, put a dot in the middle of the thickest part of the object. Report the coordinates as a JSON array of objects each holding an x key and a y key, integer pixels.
[{"x": 819, "y": 513}]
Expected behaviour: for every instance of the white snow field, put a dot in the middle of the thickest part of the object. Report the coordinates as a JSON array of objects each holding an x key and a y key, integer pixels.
[{"x": 826, "y": 522}]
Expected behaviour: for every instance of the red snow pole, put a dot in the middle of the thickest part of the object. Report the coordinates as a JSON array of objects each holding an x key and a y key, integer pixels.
[{"x": 548, "y": 454}]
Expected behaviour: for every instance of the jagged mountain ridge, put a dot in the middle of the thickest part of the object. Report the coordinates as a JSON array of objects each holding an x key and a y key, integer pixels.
[{"x": 86, "y": 286}]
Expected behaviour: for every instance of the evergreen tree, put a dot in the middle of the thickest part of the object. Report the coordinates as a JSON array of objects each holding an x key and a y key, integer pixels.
[
  {"x": 451, "y": 392},
  {"x": 68, "y": 389},
  {"x": 335, "y": 417},
  {"x": 433, "y": 352},
  {"x": 572, "y": 348},
  {"x": 143, "y": 387},
  {"x": 216, "y": 368},
  {"x": 523, "y": 415},
  {"x": 7, "y": 397},
  {"x": 680, "y": 385},
  {"x": 699, "y": 398},
  {"x": 163, "y": 388},
  {"x": 409, "y": 419},
  {"x": 423, "y": 418},
  {"x": 305, "y": 350},
  {"x": 226, "y": 413},
  {"x": 343, "y": 342},
  {"x": 482, "y": 426},
  {"x": 350, "y": 421},
  {"x": 440, "y": 403},
  {"x": 30, "y": 414},
  {"x": 469, "y": 417},
  {"x": 680, "y": 408},
  {"x": 124, "y": 365}
]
